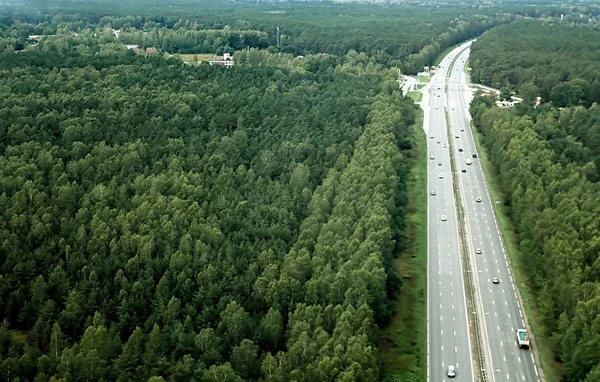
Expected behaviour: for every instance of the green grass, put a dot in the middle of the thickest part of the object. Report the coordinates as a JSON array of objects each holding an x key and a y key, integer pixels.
[
  {"x": 403, "y": 342},
  {"x": 194, "y": 58},
  {"x": 424, "y": 79},
  {"x": 416, "y": 96},
  {"x": 543, "y": 344}
]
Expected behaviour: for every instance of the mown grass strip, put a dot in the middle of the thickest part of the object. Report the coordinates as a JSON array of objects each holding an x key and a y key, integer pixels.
[{"x": 403, "y": 341}]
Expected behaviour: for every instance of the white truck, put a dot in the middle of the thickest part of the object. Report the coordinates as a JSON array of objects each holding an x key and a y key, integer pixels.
[{"x": 523, "y": 338}]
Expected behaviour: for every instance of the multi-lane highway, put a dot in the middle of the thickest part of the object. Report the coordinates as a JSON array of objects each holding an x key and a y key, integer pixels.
[
  {"x": 448, "y": 340},
  {"x": 502, "y": 312}
]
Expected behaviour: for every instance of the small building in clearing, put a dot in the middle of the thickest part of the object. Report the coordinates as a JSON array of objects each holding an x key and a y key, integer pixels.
[{"x": 226, "y": 60}]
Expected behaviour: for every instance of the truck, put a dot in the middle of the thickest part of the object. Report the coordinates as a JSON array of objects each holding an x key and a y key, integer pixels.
[{"x": 523, "y": 338}]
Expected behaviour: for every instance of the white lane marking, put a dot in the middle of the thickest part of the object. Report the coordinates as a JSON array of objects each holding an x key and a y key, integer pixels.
[
  {"x": 442, "y": 347},
  {"x": 455, "y": 333},
  {"x": 442, "y": 332},
  {"x": 455, "y": 349},
  {"x": 501, "y": 343},
  {"x": 453, "y": 318},
  {"x": 532, "y": 360},
  {"x": 509, "y": 315},
  {"x": 493, "y": 302},
  {"x": 522, "y": 323},
  {"x": 519, "y": 358}
]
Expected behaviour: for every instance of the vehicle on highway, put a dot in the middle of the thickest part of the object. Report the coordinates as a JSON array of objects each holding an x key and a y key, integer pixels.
[
  {"x": 432, "y": 157},
  {"x": 523, "y": 338},
  {"x": 451, "y": 371},
  {"x": 464, "y": 170},
  {"x": 496, "y": 280},
  {"x": 462, "y": 129},
  {"x": 478, "y": 199},
  {"x": 456, "y": 136},
  {"x": 432, "y": 192},
  {"x": 444, "y": 218},
  {"x": 441, "y": 176},
  {"x": 431, "y": 136},
  {"x": 439, "y": 163},
  {"x": 444, "y": 145},
  {"x": 478, "y": 251},
  {"x": 460, "y": 149},
  {"x": 438, "y": 141},
  {"x": 474, "y": 155},
  {"x": 468, "y": 161}
]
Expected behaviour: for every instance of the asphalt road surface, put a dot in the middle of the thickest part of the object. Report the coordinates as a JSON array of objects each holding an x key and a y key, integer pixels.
[
  {"x": 448, "y": 330},
  {"x": 502, "y": 312}
]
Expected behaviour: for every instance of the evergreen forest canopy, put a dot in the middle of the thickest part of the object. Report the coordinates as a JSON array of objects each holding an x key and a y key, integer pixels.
[
  {"x": 164, "y": 221},
  {"x": 558, "y": 61},
  {"x": 407, "y": 38}
]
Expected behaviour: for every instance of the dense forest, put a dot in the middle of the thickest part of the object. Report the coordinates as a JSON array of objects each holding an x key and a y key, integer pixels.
[
  {"x": 557, "y": 60},
  {"x": 396, "y": 37},
  {"x": 163, "y": 221},
  {"x": 552, "y": 188}
]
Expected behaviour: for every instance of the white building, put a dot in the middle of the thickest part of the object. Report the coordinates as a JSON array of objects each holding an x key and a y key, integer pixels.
[{"x": 226, "y": 60}]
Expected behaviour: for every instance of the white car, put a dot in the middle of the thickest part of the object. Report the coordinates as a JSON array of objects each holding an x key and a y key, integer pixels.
[
  {"x": 441, "y": 176},
  {"x": 431, "y": 136},
  {"x": 444, "y": 218},
  {"x": 496, "y": 280},
  {"x": 432, "y": 193},
  {"x": 444, "y": 145},
  {"x": 432, "y": 157},
  {"x": 451, "y": 371},
  {"x": 478, "y": 199},
  {"x": 478, "y": 251}
]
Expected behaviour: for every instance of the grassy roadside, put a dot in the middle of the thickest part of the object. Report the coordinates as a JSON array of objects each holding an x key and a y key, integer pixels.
[
  {"x": 552, "y": 369},
  {"x": 416, "y": 96},
  {"x": 403, "y": 342}
]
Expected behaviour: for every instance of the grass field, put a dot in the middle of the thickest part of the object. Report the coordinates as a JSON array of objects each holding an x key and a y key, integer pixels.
[
  {"x": 416, "y": 96},
  {"x": 194, "y": 58},
  {"x": 403, "y": 341},
  {"x": 552, "y": 369}
]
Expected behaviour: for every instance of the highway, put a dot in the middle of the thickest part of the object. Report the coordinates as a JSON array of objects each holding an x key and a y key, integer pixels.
[
  {"x": 448, "y": 339},
  {"x": 502, "y": 312}
]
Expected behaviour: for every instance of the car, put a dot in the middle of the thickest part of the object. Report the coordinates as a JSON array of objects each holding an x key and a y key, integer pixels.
[
  {"x": 432, "y": 157},
  {"x": 451, "y": 371},
  {"x": 462, "y": 129},
  {"x": 441, "y": 176},
  {"x": 478, "y": 251},
  {"x": 478, "y": 199},
  {"x": 474, "y": 155},
  {"x": 456, "y": 136},
  {"x": 431, "y": 136},
  {"x": 439, "y": 163},
  {"x": 438, "y": 95},
  {"x": 460, "y": 149},
  {"x": 436, "y": 108},
  {"x": 438, "y": 141},
  {"x": 432, "y": 193},
  {"x": 444, "y": 145},
  {"x": 452, "y": 108},
  {"x": 464, "y": 170},
  {"x": 444, "y": 218},
  {"x": 496, "y": 280}
]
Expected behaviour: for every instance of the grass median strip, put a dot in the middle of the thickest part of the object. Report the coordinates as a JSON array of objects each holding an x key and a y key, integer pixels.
[{"x": 403, "y": 342}]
